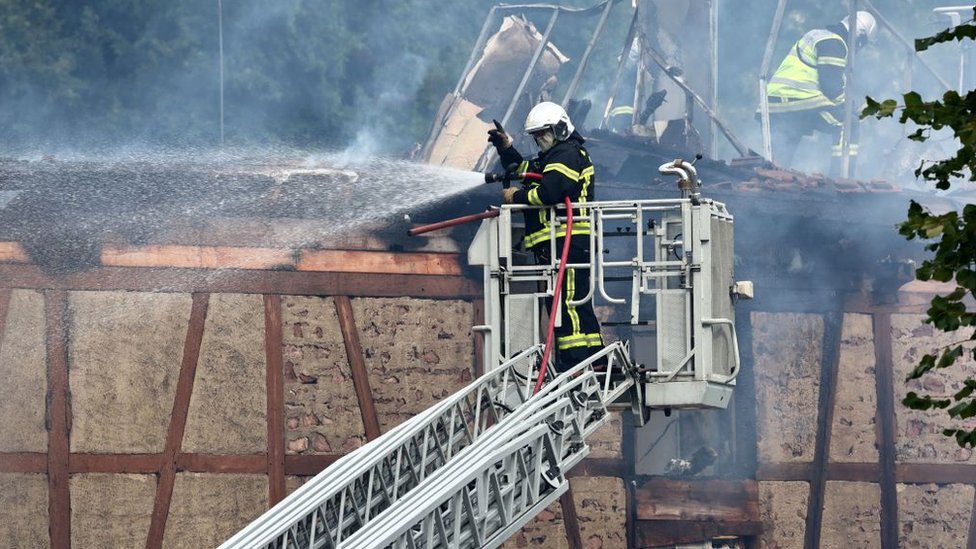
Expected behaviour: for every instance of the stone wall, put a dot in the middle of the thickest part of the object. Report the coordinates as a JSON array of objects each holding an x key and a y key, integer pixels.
[
  {"x": 111, "y": 510},
  {"x": 788, "y": 351},
  {"x": 932, "y": 516},
  {"x": 417, "y": 352},
  {"x": 23, "y": 371},
  {"x": 321, "y": 410},
  {"x": 783, "y": 510},
  {"x": 851, "y": 515},
  {"x": 918, "y": 437},
  {"x": 23, "y": 511},
  {"x": 601, "y": 508},
  {"x": 853, "y": 432},
  {"x": 124, "y": 352},
  {"x": 124, "y": 357},
  {"x": 787, "y": 364}
]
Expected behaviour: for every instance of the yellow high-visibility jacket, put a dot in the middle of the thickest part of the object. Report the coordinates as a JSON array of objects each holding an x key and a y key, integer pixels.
[
  {"x": 566, "y": 171},
  {"x": 798, "y": 85}
]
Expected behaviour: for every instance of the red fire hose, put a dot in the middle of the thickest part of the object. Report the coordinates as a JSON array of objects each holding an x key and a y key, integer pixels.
[
  {"x": 560, "y": 275},
  {"x": 467, "y": 218},
  {"x": 557, "y": 293},
  {"x": 452, "y": 222}
]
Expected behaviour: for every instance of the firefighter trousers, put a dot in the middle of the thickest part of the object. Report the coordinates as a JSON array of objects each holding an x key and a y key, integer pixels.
[{"x": 578, "y": 335}]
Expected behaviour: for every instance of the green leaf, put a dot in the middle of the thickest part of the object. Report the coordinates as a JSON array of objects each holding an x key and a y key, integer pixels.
[
  {"x": 966, "y": 278},
  {"x": 963, "y": 438},
  {"x": 963, "y": 410},
  {"x": 949, "y": 357},
  {"x": 969, "y": 386},
  {"x": 924, "y": 365},
  {"x": 915, "y": 402},
  {"x": 913, "y": 100}
]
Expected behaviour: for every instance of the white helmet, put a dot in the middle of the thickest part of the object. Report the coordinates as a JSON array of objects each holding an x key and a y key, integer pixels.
[
  {"x": 866, "y": 27},
  {"x": 552, "y": 116}
]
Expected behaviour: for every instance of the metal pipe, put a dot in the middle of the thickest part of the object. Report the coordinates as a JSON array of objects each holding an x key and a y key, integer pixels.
[
  {"x": 846, "y": 168},
  {"x": 452, "y": 222},
  {"x": 764, "y": 80},
  {"x": 638, "y": 86},
  {"x": 742, "y": 149},
  {"x": 908, "y": 45},
  {"x": 618, "y": 74},
  {"x": 486, "y": 158},
  {"x": 713, "y": 73},
  {"x": 531, "y": 68},
  {"x": 220, "y": 42},
  {"x": 574, "y": 83}
]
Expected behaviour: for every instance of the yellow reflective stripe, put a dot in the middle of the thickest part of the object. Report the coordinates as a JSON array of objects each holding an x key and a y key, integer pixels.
[
  {"x": 796, "y": 78},
  {"x": 563, "y": 169},
  {"x": 533, "y": 196},
  {"x": 803, "y": 104},
  {"x": 834, "y": 61},
  {"x": 838, "y": 150},
  {"x": 542, "y": 235},
  {"x": 536, "y": 238},
  {"x": 795, "y": 84},
  {"x": 570, "y": 295},
  {"x": 579, "y": 340},
  {"x": 523, "y": 166},
  {"x": 621, "y": 110},
  {"x": 830, "y": 119},
  {"x": 563, "y": 346}
]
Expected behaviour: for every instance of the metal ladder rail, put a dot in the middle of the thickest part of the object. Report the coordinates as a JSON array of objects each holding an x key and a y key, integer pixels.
[
  {"x": 313, "y": 510},
  {"x": 566, "y": 415}
]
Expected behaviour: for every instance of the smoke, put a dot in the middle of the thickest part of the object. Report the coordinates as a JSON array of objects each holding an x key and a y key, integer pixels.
[
  {"x": 881, "y": 71},
  {"x": 324, "y": 73}
]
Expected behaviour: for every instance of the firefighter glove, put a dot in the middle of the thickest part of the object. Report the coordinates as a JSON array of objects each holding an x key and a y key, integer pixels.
[
  {"x": 498, "y": 137},
  {"x": 508, "y": 195}
]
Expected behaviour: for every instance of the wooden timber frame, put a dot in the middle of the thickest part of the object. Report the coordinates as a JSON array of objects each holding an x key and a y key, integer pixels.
[
  {"x": 886, "y": 473},
  {"x": 188, "y": 269}
]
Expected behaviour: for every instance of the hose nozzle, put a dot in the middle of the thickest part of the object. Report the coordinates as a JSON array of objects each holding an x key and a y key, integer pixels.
[{"x": 492, "y": 177}]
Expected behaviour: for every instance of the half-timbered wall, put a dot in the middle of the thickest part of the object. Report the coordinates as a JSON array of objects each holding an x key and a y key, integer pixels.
[
  {"x": 165, "y": 406},
  {"x": 840, "y": 461}
]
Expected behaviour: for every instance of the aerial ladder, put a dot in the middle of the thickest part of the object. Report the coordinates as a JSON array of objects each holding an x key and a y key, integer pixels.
[{"x": 473, "y": 469}]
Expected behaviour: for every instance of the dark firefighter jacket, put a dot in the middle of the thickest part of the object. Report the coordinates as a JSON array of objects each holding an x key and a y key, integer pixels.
[
  {"x": 812, "y": 74},
  {"x": 566, "y": 171}
]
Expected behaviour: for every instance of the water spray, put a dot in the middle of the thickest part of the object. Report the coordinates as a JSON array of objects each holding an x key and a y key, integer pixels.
[{"x": 512, "y": 174}]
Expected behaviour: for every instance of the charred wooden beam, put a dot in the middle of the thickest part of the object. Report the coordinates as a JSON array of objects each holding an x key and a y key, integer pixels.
[
  {"x": 672, "y": 511},
  {"x": 309, "y": 465},
  {"x": 884, "y": 385},
  {"x": 23, "y": 462},
  {"x": 570, "y": 519},
  {"x": 829, "y": 357},
  {"x": 600, "y": 467},
  {"x": 58, "y": 419},
  {"x": 241, "y": 281},
  {"x": 205, "y": 463},
  {"x": 360, "y": 377},
  {"x": 4, "y": 309},
  {"x": 177, "y": 425},
  {"x": 275, "y": 384}
]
